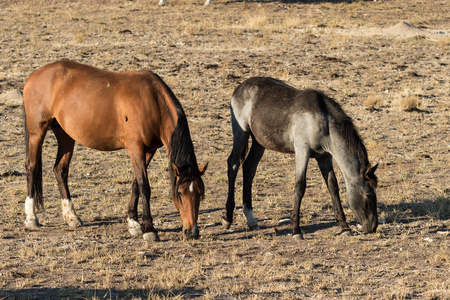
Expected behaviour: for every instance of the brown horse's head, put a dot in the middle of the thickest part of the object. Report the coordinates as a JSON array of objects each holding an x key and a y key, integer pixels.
[
  {"x": 364, "y": 201},
  {"x": 188, "y": 191}
]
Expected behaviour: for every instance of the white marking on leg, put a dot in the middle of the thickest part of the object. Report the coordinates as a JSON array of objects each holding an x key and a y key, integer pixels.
[
  {"x": 31, "y": 220},
  {"x": 29, "y": 208},
  {"x": 234, "y": 167},
  {"x": 251, "y": 221},
  {"x": 191, "y": 187},
  {"x": 69, "y": 213},
  {"x": 66, "y": 207},
  {"x": 134, "y": 228}
]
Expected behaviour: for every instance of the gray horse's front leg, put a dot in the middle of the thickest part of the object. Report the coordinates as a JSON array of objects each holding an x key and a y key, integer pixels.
[
  {"x": 301, "y": 163},
  {"x": 326, "y": 168}
]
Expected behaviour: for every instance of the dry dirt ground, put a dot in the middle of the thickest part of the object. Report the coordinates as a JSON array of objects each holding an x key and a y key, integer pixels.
[{"x": 391, "y": 77}]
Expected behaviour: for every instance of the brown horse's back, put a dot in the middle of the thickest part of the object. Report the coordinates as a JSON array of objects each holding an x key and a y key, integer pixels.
[{"x": 100, "y": 109}]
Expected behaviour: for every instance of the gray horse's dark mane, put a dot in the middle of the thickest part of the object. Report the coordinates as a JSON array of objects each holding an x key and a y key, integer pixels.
[{"x": 347, "y": 130}]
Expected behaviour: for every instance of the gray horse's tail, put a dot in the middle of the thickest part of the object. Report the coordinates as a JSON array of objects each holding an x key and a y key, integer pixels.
[
  {"x": 244, "y": 152},
  {"x": 37, "y": 182}
]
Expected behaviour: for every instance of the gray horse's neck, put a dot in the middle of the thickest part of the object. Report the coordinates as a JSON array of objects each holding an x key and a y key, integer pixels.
[{"x": 349, "y": 164}]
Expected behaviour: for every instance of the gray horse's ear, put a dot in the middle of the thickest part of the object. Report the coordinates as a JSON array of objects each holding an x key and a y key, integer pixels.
[
  {"x": 175, "y": 170},
  {"x": 203, "y": 169},
  {"x": 371, "y": 169},
  {"x": 370, "y": 175}
]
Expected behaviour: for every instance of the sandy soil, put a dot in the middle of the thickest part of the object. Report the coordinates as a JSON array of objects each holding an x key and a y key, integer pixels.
[{"x": 386, "y": 62}]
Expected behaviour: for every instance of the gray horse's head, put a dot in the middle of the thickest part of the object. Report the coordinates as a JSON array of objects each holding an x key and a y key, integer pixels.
[{"x": 363, "y": 201}]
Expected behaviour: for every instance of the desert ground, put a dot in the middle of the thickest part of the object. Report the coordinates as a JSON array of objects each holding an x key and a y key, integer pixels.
[{"x": 386, "y": 62}]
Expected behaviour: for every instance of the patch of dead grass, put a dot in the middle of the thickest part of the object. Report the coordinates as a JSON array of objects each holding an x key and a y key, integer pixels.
[{"x": 408, "y": 103}]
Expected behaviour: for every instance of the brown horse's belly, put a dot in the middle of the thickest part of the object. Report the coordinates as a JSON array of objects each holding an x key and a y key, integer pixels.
[{"x": 93, "y": 132}]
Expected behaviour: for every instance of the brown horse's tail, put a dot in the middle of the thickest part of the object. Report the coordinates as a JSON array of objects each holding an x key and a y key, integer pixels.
[{"x": 37, "y": 182}]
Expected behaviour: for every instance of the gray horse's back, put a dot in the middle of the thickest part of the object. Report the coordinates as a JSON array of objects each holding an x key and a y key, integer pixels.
[{"x": 280, "y": 117}]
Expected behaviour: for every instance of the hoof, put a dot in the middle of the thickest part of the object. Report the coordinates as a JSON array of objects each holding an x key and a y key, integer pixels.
[
  {"x": 151, "y": 236},
  {"x": 75, "y": 222},
  {"x": 32, "y": 223},
  {"x": 345, "y": 232},
  {"x": 135, "y": 231},
  {"x": 225, "y": 223},
  {"x": 297, "y": 237},
  {"x": 254, "y": 227}
]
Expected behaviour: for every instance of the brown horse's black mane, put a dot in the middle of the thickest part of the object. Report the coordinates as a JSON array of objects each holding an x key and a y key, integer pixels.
[
  {"x": 181, "y": 149},
  {"x": 347, "y": 131}
]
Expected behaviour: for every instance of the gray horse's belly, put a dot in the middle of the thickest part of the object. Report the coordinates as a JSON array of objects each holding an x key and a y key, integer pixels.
[{"x": 273, "y": 133}]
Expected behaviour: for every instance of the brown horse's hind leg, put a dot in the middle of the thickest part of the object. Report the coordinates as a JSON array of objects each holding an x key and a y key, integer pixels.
[
  {"x": 61, "y": 170},
  {"x": 34, "y": 176},
  {"x": 326, "y": 168},
  {"x": 132, "y": 217}
]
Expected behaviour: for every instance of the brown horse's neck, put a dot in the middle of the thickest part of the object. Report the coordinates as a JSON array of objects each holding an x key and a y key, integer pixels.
[
  {"x": 175, "y": 134},
  {"x": 169, "y": 116}
]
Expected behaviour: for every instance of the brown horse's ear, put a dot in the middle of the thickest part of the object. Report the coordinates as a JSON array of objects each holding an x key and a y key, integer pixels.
[
  {"x": 203, "y": 169},
  {"x": 175, "y": 170}
]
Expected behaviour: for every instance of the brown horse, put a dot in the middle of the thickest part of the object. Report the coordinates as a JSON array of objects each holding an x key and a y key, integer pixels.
[{"x": 108, "y": 111}]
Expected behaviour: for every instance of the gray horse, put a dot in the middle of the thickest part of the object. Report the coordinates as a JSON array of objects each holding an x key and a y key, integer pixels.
[{"x": 309, "y": 124}]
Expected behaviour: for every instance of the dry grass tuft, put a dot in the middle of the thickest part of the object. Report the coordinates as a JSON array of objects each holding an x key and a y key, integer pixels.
[
  {"x": 256, "y": 20},
  {"x": 409, "y": 103},
  {"x": 79, "y": 37},
  {"x": 373, "y": 102}
]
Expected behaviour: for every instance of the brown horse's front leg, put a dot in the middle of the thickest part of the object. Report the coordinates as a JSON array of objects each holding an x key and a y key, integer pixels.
[
  {"x": 150, "y": 233},
  {"x": 141, "y": 187},
  {"x": 134, "y": 228}
]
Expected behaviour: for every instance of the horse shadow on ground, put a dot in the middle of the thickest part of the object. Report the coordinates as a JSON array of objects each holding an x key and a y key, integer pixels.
[
  {"x": 422, "y": 209},
  {"x": 437, "y": 208},
  {"x": 296, "y": 1},
  {"x": 74, "y": 293}
]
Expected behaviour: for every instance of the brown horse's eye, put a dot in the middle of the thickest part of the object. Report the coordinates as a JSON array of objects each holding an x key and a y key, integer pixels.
[{"x": 180, "y": 194}]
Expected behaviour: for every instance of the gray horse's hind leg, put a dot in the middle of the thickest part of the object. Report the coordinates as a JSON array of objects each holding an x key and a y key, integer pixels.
[
  {"x": 326, "y": 168},
  {"x": 240, "y": 144},
  {"x": 249, "y": 170}
]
